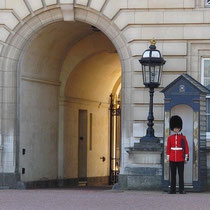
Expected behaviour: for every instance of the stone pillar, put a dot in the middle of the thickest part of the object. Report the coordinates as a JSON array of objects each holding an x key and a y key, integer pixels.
[{"x": 61, "y": 141}]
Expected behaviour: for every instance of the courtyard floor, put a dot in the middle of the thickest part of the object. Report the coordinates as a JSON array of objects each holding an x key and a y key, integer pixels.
[{"x": 100, "y": 198}]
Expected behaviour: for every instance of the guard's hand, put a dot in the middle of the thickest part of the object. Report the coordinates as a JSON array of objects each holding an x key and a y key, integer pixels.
[
  {"x": 167, "y": 158},
  {"x": 186, "y": 159}
]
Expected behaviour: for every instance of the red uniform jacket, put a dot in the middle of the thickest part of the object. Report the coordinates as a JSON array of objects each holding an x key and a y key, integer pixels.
[{"x": 175, "y": 150}]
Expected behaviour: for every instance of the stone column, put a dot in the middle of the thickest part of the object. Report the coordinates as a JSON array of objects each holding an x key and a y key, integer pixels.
[{"x": 61, "y": 141}]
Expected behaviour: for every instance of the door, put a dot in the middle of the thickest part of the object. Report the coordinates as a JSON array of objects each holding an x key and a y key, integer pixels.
[
  {"x": 186, "y": 113},
  {"x": 82, "y": 150}
]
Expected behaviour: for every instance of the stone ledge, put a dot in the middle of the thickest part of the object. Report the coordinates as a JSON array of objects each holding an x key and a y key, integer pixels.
[
  {"x": 9, "y": 180},
  {"x": 139, "y": 182}
]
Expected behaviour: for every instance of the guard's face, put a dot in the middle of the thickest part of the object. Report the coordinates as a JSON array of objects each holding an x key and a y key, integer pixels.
[{"x": 176, "y": 130}]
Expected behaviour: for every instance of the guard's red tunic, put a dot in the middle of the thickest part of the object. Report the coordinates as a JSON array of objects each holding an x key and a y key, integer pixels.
[{"x": 174, "y": 148}]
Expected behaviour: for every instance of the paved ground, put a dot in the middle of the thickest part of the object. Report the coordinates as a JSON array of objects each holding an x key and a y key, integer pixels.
[{"x": 96, "y": 198}]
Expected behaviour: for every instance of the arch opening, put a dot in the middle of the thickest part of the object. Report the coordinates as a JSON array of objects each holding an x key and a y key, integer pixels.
[{"x": 67, "y": 72}]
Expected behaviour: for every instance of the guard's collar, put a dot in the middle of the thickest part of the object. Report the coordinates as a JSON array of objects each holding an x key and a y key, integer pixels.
[{"x": 179, "y": 133}]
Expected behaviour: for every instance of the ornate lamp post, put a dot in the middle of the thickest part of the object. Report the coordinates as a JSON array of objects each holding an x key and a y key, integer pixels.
[{"x": 152, "y": 66}]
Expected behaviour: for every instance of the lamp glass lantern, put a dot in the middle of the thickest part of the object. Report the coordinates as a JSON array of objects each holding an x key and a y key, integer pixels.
[{"x": 152, "y": 66}]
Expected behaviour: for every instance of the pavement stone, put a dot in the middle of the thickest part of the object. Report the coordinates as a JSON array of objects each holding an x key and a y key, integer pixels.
[{"x": 100, "y": 198}]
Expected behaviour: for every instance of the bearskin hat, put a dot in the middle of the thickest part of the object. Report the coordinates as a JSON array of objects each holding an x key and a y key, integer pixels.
[{"x": 175, "y": 122}]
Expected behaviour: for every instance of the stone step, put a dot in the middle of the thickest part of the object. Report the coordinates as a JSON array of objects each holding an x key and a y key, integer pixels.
[
  {"x": 4, "y": 187},
  {"x": 82, "y": 183}
]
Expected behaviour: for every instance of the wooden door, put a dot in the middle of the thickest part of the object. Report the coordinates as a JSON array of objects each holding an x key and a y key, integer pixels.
[{"x": 82, "y": 150}]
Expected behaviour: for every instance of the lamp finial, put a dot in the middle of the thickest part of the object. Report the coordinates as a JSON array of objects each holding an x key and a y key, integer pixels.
[{"x": 153, "y": 41}]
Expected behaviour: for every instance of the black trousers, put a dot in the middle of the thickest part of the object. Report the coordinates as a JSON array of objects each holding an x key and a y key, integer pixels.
[{"x": 173, "y": 168}]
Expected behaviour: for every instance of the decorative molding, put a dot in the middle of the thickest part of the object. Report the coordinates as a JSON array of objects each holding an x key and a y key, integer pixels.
[
  {"x": 207, "y": 3},
  {"x": 44, "y": 3},
  {"x": 29, "y": 7},
  {"x": 68, "y": 12},
  {"x": 87, "y": 101},
  {"x": 47, "y": 82}
]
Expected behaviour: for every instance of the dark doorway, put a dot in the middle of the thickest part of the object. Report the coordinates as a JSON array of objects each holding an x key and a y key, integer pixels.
[{"x": 82, "y": 158}]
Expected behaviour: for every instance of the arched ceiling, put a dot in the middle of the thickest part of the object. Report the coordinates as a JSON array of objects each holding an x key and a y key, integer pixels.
[
  {"x": 44, "y": 55},
  {"x": 71, "y": 53},
  {"x": 94, "y": 78}
]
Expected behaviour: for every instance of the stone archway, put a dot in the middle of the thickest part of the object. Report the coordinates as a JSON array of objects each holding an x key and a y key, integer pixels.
[{"x": 13, "y": 50}]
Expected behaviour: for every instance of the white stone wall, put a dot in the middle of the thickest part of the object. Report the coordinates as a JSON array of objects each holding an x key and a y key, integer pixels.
[
  {"x": 100, "y": 139},
  {"x": 93, "y": 68},
  {"x": 38, "y": 130},
  {"x": 181, "y": 29}
]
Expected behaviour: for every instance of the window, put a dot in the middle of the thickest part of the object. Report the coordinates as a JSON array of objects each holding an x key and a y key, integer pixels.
[
  {"x": 205, "y": 80},
  {"x": 207, "y": 2}
]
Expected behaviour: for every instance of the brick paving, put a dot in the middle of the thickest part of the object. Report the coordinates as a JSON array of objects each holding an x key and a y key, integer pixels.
[{"x": 97, "y": 198}]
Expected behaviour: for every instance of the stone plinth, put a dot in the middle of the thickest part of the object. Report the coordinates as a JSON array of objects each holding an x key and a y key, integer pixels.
[{"x": 144, "y": 171}]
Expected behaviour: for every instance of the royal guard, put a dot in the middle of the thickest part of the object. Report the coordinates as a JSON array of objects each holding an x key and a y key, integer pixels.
[{"x": 177, "y": 154}]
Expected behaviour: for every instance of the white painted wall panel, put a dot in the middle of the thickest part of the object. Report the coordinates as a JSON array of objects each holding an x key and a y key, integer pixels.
[
  {"x": 66, "y": 1},
  {"x": 35, "y": 5},
  {"x": 183, "y": 17},
  {"x": 175, "y": 64},
  {"x": 19, "y": 7},
  {"x": 131, "y": 33},
  {"x": 139, "y": 129},
  {"x": 206, "y": 16},
  {"x": 141, "y": 95},
  {"x": 165, "y": 4},
  {"x": 1, "y": 47},
  {"x": 3, "y": 34},
  {"x": 137, "y": 4},
  {"x": 148, "y": 17},
  {"x": 111, "y": 8},
  {"x": 124, "y": 4},
  {"x": 39, "y": 130},
  {"x": 137, "y": 80},
  {"x": 197, "y": 32},
  {"x": 141, "y": 112},
  {"x": 50, "y": 2},
  {"x": 166, "y": 48},
  {"x": 124, "y": 18},
  {"x": 97, "y": 4},
  {"x": 137, "y": 48},
  {"x": 174, "y": 48},
  {"x": 8, "y": 19},
  {"x": 2, "y": 4},
  {"x": 189, "y": 3},
  {"x": 82, "y": 2},
  {"x": 163, "y": 32}
]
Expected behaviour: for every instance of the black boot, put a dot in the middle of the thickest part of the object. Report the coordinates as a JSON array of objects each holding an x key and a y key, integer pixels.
[{"x": 171, "y": 192}]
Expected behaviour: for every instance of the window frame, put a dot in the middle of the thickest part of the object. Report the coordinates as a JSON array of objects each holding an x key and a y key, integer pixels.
[
  {"x": 202, "y": 82},
  {"x": 207, "y": 4}
]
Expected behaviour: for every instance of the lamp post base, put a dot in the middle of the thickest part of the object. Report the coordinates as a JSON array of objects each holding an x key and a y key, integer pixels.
[
  {"x": 144, "y": 168},
  {"x": 150, "y": 139}
]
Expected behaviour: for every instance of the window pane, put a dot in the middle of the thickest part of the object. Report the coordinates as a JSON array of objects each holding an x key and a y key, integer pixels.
[
  {"x": 207, "y": 83},
  {"x": 207, "y": 69},
  {"x": 155, "y": 54},
  {"x": 146, "y": 54},
  {"x": 206, "y": 80},
  {"x": 208, "y": 114},
  {"x": 208, "y": 123}
]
